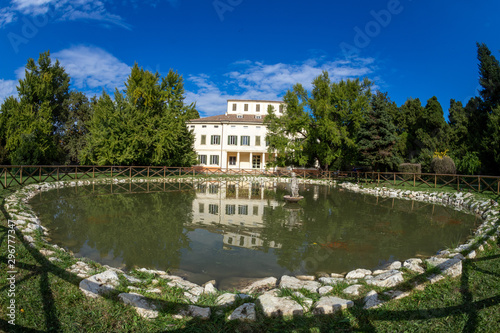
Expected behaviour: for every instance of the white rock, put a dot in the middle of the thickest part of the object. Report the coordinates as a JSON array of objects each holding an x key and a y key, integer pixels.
[
  {"x": 389, "y": 279},
  {"x": 353, "y": 290},
  {"x": 450, "y": 267},
  {"x": 99, "y": 284},
  {"x": 273, "y": 306},
  {"x": 331, "y": 281},
  {"x": 228, "y": 299},
  {"x": 209, "y": 289},
  {"x": 140, "y": 303},
  {"x": 371, "y": 300},
  {"x": 330, "y": 304},
  {"x": 196, "y": 312},
  {"x": 290, "y": 282},
  {"x": 245, "y": 312},
  {"x": 260, "y": 285},
  {"x": 413, "y": 264},
  {"x": 306, "y": 277},
  {"x": 335, "y": 275},
  {"x": 47, "y": 253},
  {"x": 396, "y": 294},
  {"x": 325, "y": 290},
  {"x": 132, "y": 279},
  {"x": 358, "y": 274}
]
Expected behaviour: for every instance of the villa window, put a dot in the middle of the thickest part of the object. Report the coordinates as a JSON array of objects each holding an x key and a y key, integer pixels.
[
  {"x": 203, "y": 126},
  {"x": 257, "y": 140},
  {"x": 243, "y": 209},
  {"x": 245, "y": 140},
  {"x": 213, "y": 209},
  {"x": 232, "y": 160},
  {"x": 216, "y": 126},
  {"x": 258, "y": 117},
  {"x": 232, "y": 140},
  {"x": 215, "y": 140},
  {"x": 234, "y": 106},
  {"x": 255, "y": 210},
  {"x": 257, "y": 108},
  {"x": 202, "y": 159},
  {"x": 214, "y": 159},
  {"x": 245, "y": 107},
  {"x": 240, "y": 116},
  {"x": 230, "y": 209},
  {"x": 213, "y": 188},
  {"x": 201, "y": 208}
]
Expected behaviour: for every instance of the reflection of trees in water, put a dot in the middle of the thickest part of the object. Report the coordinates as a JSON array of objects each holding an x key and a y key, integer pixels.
[
  {"x": 121, "y": 224},
  {"x": 343, "y": 230}
]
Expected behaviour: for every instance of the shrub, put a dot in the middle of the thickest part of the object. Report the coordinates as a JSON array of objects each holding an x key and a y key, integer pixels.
[
  {"x": 469, "y": 164},
  {"x": 410, "y": 168},
  {"x": 443, "y": 165}
]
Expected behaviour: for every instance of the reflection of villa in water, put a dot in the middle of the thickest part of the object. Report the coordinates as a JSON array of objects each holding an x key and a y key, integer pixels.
[{"x": 237, "y": 209}]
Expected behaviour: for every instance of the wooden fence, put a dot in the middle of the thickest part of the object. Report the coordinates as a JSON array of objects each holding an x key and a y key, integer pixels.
[{"x": 13, "y": 175}]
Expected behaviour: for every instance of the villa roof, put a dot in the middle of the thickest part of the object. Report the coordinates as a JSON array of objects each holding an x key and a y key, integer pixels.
[{"x": 231, "y": 118}]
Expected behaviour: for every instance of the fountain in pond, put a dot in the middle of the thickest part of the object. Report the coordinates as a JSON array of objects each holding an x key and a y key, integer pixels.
[{"x": 295, "y": 197}]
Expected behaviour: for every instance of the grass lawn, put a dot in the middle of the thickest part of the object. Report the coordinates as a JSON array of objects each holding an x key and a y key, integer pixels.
[{"x": 48, "y": 299}]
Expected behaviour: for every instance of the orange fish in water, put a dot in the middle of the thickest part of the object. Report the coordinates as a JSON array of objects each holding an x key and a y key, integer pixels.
[{"x": 335, "y": 245}]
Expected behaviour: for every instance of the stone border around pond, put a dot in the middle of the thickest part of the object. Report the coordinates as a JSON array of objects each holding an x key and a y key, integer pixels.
[{"x": 276, "y": 298}]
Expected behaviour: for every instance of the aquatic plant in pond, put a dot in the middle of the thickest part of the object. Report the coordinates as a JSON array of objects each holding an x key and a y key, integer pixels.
[{"x": 233, "y": 230}]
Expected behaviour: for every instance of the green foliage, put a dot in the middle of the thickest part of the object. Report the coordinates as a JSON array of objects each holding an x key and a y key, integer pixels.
[
  {"x": 377, "y": 139},
  {"x": 469, "y": 164},
  {"x": 410, "y": 168},
  {"x": 143, "y": 126},
  {"x": 320, "y": 127},
  {"x": 30, "y": 123},
  {"x": 443, "y": 165}
]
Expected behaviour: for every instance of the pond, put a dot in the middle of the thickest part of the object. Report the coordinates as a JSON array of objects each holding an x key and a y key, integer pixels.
[{"x": 235, "y": 231}]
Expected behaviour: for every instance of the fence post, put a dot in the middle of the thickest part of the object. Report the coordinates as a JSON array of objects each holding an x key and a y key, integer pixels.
[
  {"x": 111, "y": 172},
  {"x": 435, "y": 180},
  {"x": 39, "y": 174},
  {"x": 378, "y": 178},
  {"x": 414, "y": 179},
  {"x": 394, "y": 179},
  {"x": 57, "y": 168},
  {"x": 458, "y": 183},
  {"x": 76, "y": 172},
  {"x": 21, "y": 175},
  {"x": 148, "y": 172},
  {"x": 130, "y": 172},
  {"x": 5, "y": 174},
  {"x": 93, "y": 172},
  {"x": 479, "y": 183},
  {"x": 164, "y": 171}
]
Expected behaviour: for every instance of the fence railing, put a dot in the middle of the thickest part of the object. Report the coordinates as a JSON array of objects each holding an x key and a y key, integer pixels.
[{"x": 12, "y": 175}]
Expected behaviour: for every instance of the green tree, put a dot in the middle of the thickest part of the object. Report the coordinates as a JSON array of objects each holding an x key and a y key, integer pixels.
[
  {"x": 78, "y": 111},
  {"x": 377, "y": 140},
  {"x": 144, "y": 125},
  {"x": 31, "y": 123},
  {"x": 321, "y": 127}
]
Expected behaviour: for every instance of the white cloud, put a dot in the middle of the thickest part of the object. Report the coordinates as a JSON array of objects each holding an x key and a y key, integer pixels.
[
  {"x": 257, "y": 80},
  {"x": 7, "y": 88},
  {"x": 70, "y": 10},
  {"x": 93, "y": 69}
]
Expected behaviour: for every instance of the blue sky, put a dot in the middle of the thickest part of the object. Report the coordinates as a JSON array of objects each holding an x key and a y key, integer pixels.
[{"x": 255, "y": 49}]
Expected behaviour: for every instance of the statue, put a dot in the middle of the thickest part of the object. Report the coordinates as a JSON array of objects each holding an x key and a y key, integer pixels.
[{"x": 295, "y": 197}]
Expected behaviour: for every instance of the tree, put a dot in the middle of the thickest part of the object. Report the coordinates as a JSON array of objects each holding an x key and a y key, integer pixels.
[
  {"x": 377, "y": 139},
  {"x": 30, "y": 124},
  {"x": 78, "y": 111},
  {"x": 320, "y": 128},
  {"x": 145, "y": 125}
]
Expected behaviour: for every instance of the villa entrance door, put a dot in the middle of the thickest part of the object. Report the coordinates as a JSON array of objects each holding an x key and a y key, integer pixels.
[{"x": 256, "y": 162}]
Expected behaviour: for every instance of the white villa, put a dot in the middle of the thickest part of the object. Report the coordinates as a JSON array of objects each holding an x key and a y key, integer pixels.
[{"x": 236, "y": 139}]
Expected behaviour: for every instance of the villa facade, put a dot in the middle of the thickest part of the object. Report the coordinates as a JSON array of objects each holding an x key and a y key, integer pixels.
[{"x": 237, "y": 139}]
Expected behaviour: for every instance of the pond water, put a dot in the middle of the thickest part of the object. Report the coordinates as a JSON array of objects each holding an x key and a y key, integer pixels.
[{"x": 233, "y": 231}]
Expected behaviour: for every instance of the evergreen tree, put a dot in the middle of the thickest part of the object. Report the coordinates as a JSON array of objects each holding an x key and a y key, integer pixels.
[
  {"x": 30, "y": 124},
  {"x": 320, "y": 128},
  {"x": 146, "y": 125},
  {"x": 377, "y": 139}
]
